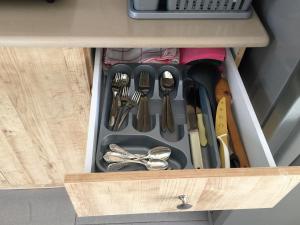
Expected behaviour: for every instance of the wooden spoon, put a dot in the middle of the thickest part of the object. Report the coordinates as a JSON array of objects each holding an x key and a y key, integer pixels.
[{"x": 222, "y": 90}]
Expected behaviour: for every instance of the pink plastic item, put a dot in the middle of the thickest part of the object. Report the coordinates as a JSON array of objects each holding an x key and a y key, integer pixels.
[{"x": 188, "y": 55}]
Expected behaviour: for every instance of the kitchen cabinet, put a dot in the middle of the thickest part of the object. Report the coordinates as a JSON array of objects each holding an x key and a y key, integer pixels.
[
  {"x": 45, "y": 101},
  {"x": 54, "y": 114}
]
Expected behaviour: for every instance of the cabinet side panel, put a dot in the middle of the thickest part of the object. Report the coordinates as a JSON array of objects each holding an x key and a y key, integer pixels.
[{"x": 44, "y": 111}]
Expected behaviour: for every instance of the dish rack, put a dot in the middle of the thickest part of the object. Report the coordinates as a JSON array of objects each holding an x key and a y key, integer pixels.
[{"x": 189, "y": 9}]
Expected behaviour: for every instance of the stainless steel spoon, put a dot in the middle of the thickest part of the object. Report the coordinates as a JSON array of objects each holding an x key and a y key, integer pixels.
[
  {"x": 152, "y": 164},
  {"x": 112, "y": 157},
  {"x": 159, "y": 152},
  {"x": 167, "y": 84}
]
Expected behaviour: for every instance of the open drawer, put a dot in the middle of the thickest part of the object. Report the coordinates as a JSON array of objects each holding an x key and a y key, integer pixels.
[{"x": 261, "y": 186}]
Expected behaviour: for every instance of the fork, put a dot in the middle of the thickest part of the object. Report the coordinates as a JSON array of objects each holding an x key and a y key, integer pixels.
[
  {"x": 124, "y": 95},
  {"x": 116, "y": 84},
  {"x": 124, "y": 98},
  {"x": 124, "y": 111},
  {"x": 143, "y": 117}
]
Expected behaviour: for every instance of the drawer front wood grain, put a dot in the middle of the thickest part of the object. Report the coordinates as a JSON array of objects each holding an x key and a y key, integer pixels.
[
  {"x": 150, "y": 192},
  {"x": 44, "y": 110}
]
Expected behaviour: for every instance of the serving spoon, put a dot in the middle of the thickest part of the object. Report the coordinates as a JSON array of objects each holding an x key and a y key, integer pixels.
[
  {"x": 152, "y": 164},
  {"x": 159, "y": 152}
]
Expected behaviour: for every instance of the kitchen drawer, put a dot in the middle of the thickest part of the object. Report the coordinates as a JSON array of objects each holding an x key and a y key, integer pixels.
[{"x": 120, "y": 193}]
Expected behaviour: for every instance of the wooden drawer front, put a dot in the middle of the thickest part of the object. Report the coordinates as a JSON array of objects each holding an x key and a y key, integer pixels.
[
  {"x": 215, "y": 189},
  {"x": 100, "y": 194}
]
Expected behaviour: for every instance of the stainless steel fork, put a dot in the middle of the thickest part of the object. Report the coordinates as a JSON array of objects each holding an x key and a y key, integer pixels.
[
  {"x": 115, "y": 103},
  {"x": 132, "y": 102}
]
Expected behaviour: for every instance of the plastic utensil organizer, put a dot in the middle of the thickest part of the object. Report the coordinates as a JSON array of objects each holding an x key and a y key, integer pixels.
[
  {"x": 140, "y": 142},
  {"x": 190, "y": 9}
]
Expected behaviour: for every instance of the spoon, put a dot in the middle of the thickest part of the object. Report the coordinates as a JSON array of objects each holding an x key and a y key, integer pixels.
[
  {"x": 152, "y": 164},
  {"x": 159, "y": 152},
  {"x": 167, "y": 84}
]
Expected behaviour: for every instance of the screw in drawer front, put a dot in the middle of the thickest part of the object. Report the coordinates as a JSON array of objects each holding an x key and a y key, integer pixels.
[{"x": 184, "y": 202}]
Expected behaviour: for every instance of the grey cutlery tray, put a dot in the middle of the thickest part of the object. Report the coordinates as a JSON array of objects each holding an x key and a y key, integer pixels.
[{"x": 140, "y": 142}]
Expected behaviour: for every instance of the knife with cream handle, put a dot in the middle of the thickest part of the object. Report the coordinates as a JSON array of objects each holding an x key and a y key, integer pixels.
[
  {"x": 200, "y": 123},
  {"x": 222, "y": 133},
  {"x": 201, "y": 127},
  {"x": 194, "y": 137}
]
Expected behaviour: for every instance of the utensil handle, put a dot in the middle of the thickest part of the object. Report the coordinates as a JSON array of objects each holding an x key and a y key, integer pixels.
[
  {"x": 224, "y": 151},
  {"x": 238, "y": 146},
  {"x": 234, "y": 161},
  {"x": 164, "y": 115},
  {"x": 113, "y": 157},
  {"x": 170, "y": 118},
  {"x": 146, "y": 124},
  {"x": 196, "y": 149},
  {"x": 201, "y": 127},
  {"x": 122, "y": 115},
  {"x": 140, "y": 116},
  {"x": 113, "y": 111},
  {"x": 120, "y": 165},
  {"x": 118, "y": 118},
  {"x": 119, "y": 149}
]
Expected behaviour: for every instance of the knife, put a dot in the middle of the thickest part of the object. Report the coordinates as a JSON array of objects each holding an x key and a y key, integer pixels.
[
  {"x": 189, "y": 92},
  {"x": 194, "y": 137},
  {"x": 222, "y": 133},
  {"x": 201, "y": 127},
  {"x": 223, "y": 90}
]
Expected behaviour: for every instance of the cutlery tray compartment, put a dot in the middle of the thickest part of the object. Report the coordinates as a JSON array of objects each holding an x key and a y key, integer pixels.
[{"x": 140, "y": 142}]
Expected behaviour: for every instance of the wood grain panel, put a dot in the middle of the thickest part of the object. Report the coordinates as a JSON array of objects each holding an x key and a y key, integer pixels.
[
  {"x": 44, "y": 110},
  {"x": 157, "y": 191}
]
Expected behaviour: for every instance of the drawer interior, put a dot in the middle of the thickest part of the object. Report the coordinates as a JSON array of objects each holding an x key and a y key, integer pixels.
[
  {"x": 160, "y": 191},
  {"x": 252, "y": 136}
]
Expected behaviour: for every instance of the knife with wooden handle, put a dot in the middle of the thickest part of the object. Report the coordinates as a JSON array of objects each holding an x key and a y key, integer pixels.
[
  {"x": 201, "y": 127},
  {"x": 194, "y": 137},
  {"x": 222, "y": 133},
  {"x": 223, "y": 90}
]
